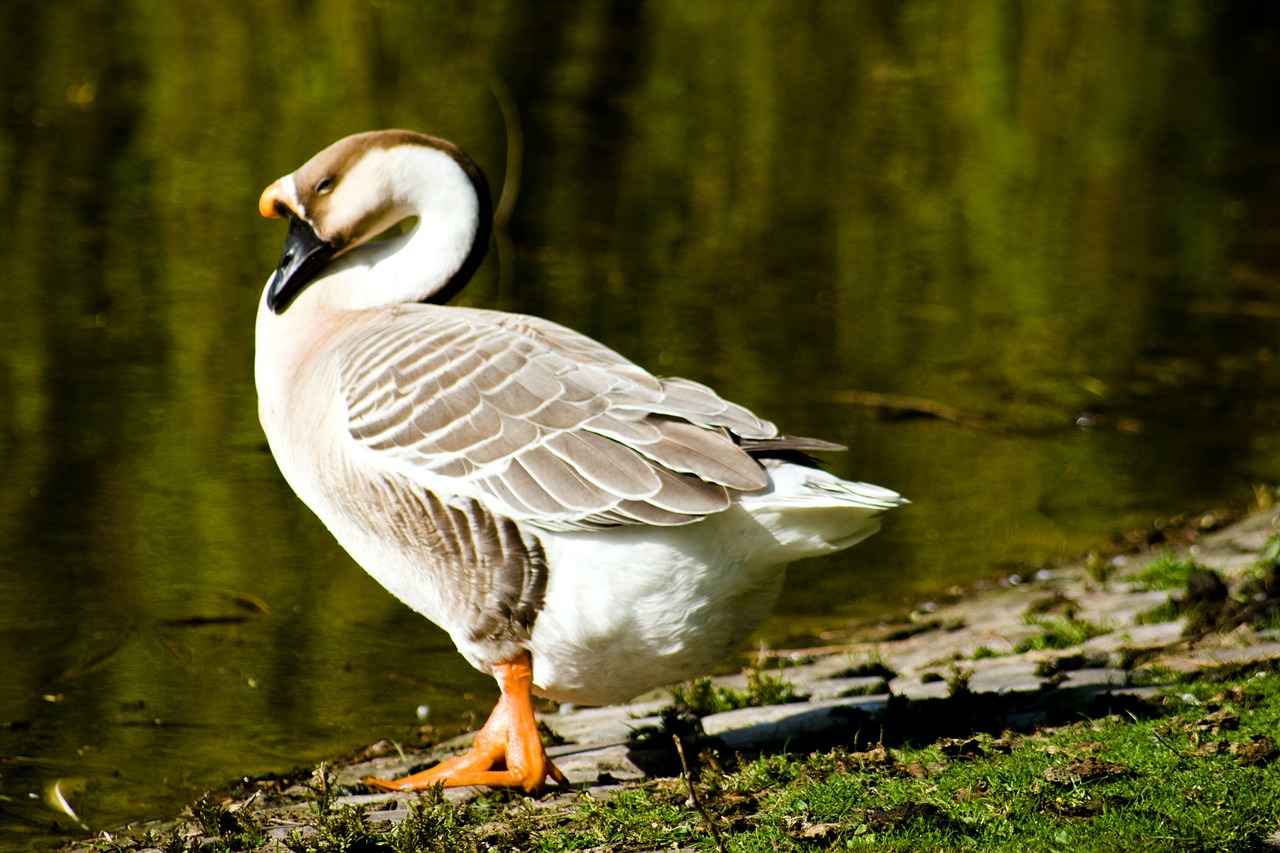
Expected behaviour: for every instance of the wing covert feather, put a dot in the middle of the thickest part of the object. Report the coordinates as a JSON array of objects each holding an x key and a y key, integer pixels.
[{"x": 550, "y": 426}]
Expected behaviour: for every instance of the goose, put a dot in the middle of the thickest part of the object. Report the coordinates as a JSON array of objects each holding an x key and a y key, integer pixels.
[{"x": 582, "y": 529}]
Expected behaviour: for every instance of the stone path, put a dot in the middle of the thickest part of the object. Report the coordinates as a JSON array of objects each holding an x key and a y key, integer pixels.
[{"x": 980, "y": 642}]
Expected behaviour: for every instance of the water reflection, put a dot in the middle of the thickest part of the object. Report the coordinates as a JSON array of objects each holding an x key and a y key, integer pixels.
[{"x": 1038, "y": 215}]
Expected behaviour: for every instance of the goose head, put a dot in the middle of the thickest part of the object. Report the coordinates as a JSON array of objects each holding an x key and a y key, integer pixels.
[{"x": 354, "y": 191}]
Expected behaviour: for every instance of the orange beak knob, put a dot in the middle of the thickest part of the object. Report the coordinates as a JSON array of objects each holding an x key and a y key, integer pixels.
[{"x": 272, "y": 196}]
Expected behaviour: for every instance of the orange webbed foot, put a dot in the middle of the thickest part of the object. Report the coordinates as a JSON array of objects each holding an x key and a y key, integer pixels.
[{"x": 508, "y": 751}]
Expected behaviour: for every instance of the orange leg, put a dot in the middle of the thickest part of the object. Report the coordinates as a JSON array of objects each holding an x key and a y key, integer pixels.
[{"x": 509, "y": 741}]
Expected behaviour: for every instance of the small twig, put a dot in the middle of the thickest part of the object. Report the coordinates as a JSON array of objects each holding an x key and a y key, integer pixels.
[{"x": 693, "y": 797}]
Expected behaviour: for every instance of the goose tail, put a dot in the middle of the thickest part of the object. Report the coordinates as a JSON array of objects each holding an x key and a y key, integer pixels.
[{"x": 810, "y": 512}]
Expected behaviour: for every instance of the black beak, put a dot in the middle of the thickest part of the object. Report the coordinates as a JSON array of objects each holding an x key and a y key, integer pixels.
[{"x": 304, "y": 256}]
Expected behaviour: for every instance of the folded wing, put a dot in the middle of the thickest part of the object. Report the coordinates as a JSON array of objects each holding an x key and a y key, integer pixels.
[{"x": 542, "y": 423}]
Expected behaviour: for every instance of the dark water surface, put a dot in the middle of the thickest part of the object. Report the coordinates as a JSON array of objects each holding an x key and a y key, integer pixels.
[{"x": 1061, "y": 219}]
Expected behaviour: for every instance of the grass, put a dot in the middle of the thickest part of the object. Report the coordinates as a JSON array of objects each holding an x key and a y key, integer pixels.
[
  {"x": 873, "y": 666},
  {"x": 1270, "y": 553},
  {"x": 1168, "y": 571},
  {"x": 1058, "y": 633},
  {"x": 1169, "y": 611},
  {"x": 1196, "y": 770},
  {"x": 1209, "y": 603},
  {"x": 1100, "y": 568},
  {"x": 236, "y": 828},
  {"x": 702, "y": 697}
]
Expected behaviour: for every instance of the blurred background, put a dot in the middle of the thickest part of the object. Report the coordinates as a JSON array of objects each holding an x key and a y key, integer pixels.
[{"x": 1047, "y": 230}]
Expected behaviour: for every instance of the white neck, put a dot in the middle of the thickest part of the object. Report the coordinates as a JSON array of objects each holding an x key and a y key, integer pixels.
[{"x": 406, "y": 181}]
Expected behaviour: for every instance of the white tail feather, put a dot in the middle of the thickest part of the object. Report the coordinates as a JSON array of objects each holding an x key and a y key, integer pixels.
[{"x": 811, "y": 512}]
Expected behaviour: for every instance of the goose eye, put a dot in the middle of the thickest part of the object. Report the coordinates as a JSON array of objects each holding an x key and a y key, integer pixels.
[{"x": 325, "y": 186}]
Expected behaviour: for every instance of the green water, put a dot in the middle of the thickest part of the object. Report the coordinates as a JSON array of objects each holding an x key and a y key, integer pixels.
[{"x": 1059, "y": 218}]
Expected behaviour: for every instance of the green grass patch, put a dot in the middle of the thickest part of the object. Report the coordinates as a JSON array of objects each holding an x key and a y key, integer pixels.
[
  {"x": 235, "y": 830},
  {"x": 1270, "y": 554},
  {"x": 1168, "y": 571},
  {"x": 1198, "y": 770},
  {"x": 1199, "y": 777},
  {"x": 1062, "y": 633},
  {"x": 1100, "y": 568},
  {"x": 875, "y": 688},
  {"x": 1170, "y": 611},
  {"x": 703, "y": 697},
  {"x": 873, "y": 666}
]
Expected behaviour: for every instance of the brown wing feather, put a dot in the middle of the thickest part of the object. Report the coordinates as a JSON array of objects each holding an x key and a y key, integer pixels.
[{"x": 552, "y": 426}]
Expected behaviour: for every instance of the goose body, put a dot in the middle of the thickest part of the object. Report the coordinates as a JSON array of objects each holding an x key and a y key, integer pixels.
[{"x": 580, "y": 527}]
